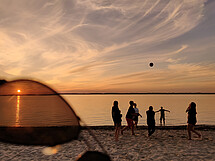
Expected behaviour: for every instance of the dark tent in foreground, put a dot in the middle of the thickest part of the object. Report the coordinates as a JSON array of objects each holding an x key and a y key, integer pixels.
[{"x": 31, "y": 113}]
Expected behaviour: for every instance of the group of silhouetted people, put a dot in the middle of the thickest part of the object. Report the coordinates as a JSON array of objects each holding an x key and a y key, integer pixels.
[{"x": 133, "y": 114}]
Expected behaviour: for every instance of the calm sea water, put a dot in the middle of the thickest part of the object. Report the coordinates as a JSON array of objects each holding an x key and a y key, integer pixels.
[
  {"x": 35, "y": 111},
  {"x": 96, "y": 109}
]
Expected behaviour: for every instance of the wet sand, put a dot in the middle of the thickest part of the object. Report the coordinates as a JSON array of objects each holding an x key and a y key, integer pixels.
[{"x": 168, "y": 143}]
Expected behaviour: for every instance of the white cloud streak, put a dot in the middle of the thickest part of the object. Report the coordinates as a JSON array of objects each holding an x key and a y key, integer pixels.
[{"x": 93, "y": 41}]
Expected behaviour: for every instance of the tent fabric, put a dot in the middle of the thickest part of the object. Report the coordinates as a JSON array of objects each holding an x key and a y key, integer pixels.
[{"x": 33, "y": 113}]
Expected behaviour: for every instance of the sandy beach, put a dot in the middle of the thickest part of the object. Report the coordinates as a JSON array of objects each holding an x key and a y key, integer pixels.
[{"x": 165, "y": 144}]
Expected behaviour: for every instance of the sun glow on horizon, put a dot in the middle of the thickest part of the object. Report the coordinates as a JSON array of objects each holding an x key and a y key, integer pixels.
[{"x": 18, "y": 90}]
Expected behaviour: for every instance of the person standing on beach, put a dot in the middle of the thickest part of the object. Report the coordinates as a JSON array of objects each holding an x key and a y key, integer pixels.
[
  {"x": 129, "y": 118},
  {"x": 191, "y": 110},
  {"x": 116, "y": 116},
  {"x": 137, "y": 114},
  {"x": 162, "y": 114},
  {"x": 150, "y": 120}
]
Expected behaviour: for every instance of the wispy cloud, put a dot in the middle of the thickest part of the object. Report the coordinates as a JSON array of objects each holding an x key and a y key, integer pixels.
[{"x": 99, "y": 44}]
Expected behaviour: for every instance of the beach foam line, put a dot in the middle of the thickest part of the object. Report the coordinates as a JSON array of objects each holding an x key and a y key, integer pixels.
[{"x": 179, "y": 127}]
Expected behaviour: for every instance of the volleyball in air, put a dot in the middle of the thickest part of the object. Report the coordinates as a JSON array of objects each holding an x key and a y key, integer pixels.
[{"x": 151, "y": 64}]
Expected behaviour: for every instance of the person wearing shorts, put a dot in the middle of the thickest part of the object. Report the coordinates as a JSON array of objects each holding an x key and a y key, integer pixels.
[{"x": 129, "y": 118}]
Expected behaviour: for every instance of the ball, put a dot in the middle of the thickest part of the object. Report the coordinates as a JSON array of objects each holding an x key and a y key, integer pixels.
[{"x": 151, "y": 64}]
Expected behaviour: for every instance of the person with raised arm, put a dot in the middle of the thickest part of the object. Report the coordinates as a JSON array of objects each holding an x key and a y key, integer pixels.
[{"x": 162, "y": 114}]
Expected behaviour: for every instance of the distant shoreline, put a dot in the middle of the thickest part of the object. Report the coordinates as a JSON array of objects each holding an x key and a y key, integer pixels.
[
  {"x": 67, "y": 93},
  {"x": 171, "y": 93}
]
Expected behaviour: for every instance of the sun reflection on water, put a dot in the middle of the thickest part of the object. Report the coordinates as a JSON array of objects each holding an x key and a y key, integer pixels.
[{"x": 17, "y": 111}]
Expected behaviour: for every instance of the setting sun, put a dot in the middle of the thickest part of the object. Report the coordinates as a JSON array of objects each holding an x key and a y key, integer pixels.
[{"x": 18, "y": 90}]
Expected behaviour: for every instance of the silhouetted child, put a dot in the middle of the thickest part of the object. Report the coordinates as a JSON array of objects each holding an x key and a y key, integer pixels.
[
  {"x": 137, "y": 114},
  {"x": 129, "y": 118},
  {"x": 116, "y": 116},
  {"x": 150, "y": 120},
  {"x": 191, "y": 110},
  {"x": 162, "y": 114}
]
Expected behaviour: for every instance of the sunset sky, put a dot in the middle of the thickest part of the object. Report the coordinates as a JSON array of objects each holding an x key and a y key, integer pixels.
[{"x": 107, "y": 45}]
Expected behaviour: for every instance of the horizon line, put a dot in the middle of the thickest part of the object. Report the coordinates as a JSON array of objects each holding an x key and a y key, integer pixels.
[{"x": 132, "y": 93}]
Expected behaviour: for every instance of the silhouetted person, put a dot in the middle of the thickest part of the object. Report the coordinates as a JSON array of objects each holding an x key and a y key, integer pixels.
[
  {"x": 150, "y": 120},
  {"x": 94, "y": 156},
  {"x": 162, "y": 115},
  {"x": 129, "y": 118},
  {"x": 137, "y": 114},
  {"x": 191, "y": 120},
  {"x": 116, "y": 115}
]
